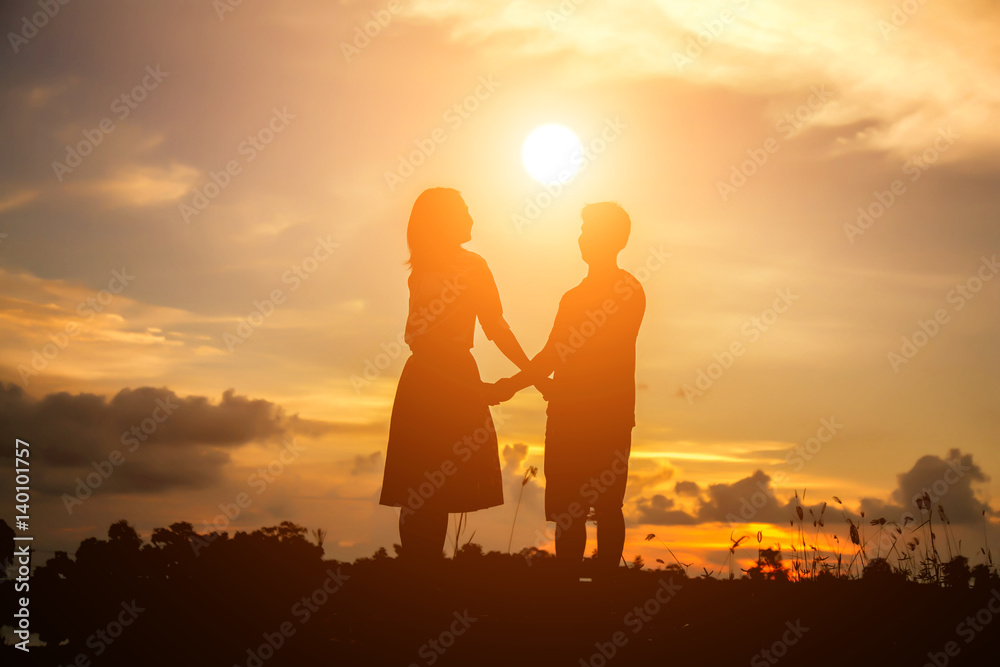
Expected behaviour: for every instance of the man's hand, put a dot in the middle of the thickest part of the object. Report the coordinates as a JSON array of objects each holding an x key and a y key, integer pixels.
[
  {"x": 545, "y": 387},
  {"x": 499, "y": 391}
]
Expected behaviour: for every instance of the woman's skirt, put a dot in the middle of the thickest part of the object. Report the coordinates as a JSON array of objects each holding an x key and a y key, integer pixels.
[{"x": 442, "y": 451}]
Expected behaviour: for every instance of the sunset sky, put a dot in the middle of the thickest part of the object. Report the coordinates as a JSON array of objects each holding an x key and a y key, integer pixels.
[{"x": 815, "y": 184}]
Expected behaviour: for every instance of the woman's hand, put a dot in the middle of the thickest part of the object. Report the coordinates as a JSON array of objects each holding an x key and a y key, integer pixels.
[{"x": 499, "y": 391}]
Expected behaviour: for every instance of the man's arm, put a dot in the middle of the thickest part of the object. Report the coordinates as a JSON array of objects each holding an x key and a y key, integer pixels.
[
  {"x": 537, "y": 373},
  {"x": 538, "y": 369}
]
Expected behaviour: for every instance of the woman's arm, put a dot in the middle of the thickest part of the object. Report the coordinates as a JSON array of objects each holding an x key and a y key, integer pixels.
[
  {"x": 507, "y": 344},
  {"x": 486, "y": 297},
  {"x": 536, "y": 372},
  {"x": 538, "y": 369}
]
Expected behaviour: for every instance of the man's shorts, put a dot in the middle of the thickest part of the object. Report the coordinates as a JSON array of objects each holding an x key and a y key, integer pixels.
[{"x": 585, "y": 466}]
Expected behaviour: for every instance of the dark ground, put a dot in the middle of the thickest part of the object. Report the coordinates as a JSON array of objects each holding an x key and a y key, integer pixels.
[
  {"x": 227, "y": 604},
  {"x": 382, "y": 615}
]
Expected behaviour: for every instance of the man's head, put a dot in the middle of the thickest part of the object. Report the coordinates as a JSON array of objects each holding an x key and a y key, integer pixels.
[{"x": 604, "y": 232}]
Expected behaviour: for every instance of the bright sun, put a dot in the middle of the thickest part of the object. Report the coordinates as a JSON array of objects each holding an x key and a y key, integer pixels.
[{"x": 552, "y": 154}]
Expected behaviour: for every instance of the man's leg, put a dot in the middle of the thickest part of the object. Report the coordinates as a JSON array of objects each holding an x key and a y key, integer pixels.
[
  {"x": 610, "y": 537},
  {"x": 562, "y": 501},
  {"x": 563, "y": 507},
  {"x": 571, "y": 540},
  {"x": 610, "y": 518}
]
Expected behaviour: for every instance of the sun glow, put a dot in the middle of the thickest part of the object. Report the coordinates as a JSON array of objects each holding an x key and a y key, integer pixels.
[{"x": 552, "y": 154}]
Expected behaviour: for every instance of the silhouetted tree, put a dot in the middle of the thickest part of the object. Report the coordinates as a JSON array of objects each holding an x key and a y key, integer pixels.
[
  {"x": 983, "y": 577},
  {"x": 469, "y": 552},
  {"x": 877, "y": 569},
  {"x": 769, "y": 567},
  {"x": 675, "y": 571},
  {"x": 6, "y": 547},
  {"x": 957, "y": 573}
]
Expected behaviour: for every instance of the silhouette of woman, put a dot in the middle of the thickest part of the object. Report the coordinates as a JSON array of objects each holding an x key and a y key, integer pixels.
[{"x": 442, "y": 451}]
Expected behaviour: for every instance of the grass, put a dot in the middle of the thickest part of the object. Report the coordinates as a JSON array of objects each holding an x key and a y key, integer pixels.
[
  {"x": 907, "y": 552},
  {"x": 528, "y": 475},
  {"x": 235, "y": 591}
]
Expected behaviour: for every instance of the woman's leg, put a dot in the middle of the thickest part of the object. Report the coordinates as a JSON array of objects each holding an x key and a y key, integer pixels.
[{"x": 422, "y": 533}]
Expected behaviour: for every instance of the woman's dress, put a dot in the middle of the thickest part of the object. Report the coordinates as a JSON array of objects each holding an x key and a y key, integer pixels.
[{"x": 442, "y": 450}]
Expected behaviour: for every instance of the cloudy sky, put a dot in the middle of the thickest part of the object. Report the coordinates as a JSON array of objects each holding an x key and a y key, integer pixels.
[{"x": 202, "y": 279}]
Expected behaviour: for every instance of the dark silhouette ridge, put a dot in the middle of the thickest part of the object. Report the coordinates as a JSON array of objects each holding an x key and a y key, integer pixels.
[{"x": 195, "y": 599}]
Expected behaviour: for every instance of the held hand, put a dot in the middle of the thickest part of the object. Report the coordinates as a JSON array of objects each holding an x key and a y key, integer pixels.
[
  {"x": 498, "y": 392},
  {"x": 545, "y": 387}
]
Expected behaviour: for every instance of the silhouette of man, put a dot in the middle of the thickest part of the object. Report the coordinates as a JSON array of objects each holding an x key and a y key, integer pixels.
[{"x": 591, "y": 396}]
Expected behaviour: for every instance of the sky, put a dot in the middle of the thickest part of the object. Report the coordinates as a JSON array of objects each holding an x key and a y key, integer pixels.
[{"x": 202, "y": 254}]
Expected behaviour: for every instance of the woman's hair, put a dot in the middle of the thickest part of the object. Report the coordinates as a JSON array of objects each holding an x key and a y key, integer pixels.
[{"x": 438, "y": 224}]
